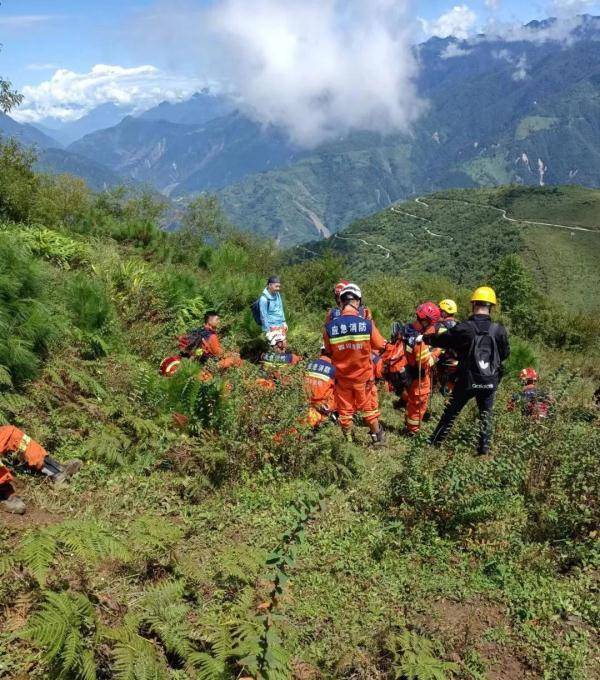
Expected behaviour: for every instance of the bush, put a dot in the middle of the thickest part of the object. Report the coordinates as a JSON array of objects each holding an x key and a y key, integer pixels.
[
  {"x": 18, "y": 182},
  {"x": 88, "y": 303},
  {"x": 27, "y": 323}
]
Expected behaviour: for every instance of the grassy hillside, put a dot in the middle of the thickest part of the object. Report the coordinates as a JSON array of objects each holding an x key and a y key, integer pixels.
[
  {"x": 462, "y": 235},
  {"x": 233, "y": 543}
]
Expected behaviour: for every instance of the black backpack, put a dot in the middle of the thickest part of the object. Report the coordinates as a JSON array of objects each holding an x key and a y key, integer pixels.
[
  {"x": 483, "y": 362},
  {"x": 255, "y": 307}
]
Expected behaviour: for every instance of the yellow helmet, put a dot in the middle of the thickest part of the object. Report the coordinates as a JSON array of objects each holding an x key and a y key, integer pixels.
[
  {"x": 448, "y": 306},
  {"x": 484, "y": 294}
]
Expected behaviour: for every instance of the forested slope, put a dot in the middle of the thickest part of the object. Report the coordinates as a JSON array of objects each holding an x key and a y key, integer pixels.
[
  {"x": 230, "y": 542},
  {"x": 463, "y": 234}
]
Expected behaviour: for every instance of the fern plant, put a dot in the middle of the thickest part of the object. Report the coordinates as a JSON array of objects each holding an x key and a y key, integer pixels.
[
  {"x": 415, "y": 658},
  {"x": 134, "y": 656},
  {"x": 65, "y": 630},
  {"x": 88, "y": 540}
]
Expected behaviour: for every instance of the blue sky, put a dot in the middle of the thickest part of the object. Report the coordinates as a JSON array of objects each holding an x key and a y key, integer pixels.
[
  {"x": 76, "y": 34},
  {"x": 41, "y": 36}
]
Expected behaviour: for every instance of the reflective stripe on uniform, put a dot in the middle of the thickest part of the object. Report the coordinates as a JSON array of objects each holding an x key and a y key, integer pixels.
[
  {"x": 23, "y": 444},
  {"x": 338, "y": 340},
  {"x": 410, "y": 421},
  {"x": 319, "y": 376}
]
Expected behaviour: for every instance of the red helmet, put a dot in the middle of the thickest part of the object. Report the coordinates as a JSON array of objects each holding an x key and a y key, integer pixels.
[
  {"x": 429, "y": 311},
  {"x": 528, "y": 375},
  {"x": 170, "y": 365},
  {"x": 339, "y": 287}
]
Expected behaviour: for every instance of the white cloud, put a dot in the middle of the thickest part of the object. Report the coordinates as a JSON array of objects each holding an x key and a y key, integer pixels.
[
  {"x": 24, "y": 20},
  {"x": 520, "y": 72},
  {"x": 494, "y": 5},
  {"x": 562, "y": 29},
  {"x": 318, "y": 68},
  {"x": 519, "y": 62},
  {"x": 68, "y": 95},
  {"x": 458, "y": 22},
  {"x": 453, "y": 50}
]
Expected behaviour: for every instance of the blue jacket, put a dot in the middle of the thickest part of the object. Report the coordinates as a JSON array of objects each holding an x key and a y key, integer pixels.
[{"x": 271, "y": 310}]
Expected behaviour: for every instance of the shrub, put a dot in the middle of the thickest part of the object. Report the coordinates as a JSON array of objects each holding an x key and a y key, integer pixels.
[
  {"x": 27, "y": 324},
  {"x": 18, "y": 182}
]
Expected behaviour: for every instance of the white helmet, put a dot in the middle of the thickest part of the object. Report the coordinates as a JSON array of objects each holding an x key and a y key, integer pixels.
[
  {"x": 351, "y": 289},
  {"x": 275, "y": 338}
]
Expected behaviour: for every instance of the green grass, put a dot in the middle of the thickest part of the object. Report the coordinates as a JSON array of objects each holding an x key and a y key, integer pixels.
[
  {"x": 239, "y": 544},
  {"x": 527, "y": 126}
]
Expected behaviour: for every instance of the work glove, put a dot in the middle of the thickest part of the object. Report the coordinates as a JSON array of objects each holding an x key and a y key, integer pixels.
[{"x": 418, "y": 339}]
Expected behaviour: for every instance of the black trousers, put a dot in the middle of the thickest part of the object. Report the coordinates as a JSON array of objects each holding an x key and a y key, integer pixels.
[{"x": 461, "y": 395}]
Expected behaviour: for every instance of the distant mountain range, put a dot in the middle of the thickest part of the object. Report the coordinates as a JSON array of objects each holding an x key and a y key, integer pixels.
[
  {"x": 180, "y": 159},
  {"x": 524, "y": 110},
  {"x": 67, "y": 132}
]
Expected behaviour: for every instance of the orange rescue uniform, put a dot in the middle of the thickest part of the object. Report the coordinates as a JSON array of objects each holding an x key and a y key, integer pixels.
[
  {"x": 419, "y": 358},
  {"x": 350, "y": 340},
  {"x": 12, "y": 440},
  {"x": 319, "y": 385},
  {"x": 334, "y": 312}
]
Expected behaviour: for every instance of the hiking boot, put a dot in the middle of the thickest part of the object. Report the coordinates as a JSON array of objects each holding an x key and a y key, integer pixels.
[
  {"x": 409, "y": 433},
  {"x": 378, "y": 438},
  {"x": 68, "y": 470},
  {"x": 14, "y": 505}
]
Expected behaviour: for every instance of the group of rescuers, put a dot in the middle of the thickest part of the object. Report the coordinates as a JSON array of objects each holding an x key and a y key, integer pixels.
[{"x": 463, "y": 358}]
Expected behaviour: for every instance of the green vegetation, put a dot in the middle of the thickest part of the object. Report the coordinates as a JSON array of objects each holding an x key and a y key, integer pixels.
[
  {"x": 531, "y": 124},
  {"x": 209, "y": 535},
  {"x": 460, "y": 235}
]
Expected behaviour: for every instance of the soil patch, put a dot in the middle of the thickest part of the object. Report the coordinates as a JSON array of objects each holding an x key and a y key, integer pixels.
[
  {"x": 33, "y": 518},
  {"x": 463, "y": 625}
]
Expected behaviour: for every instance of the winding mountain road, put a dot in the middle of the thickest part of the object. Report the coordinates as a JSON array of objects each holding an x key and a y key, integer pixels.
[
  {"x": 424, "y": 219},
  {"x": 420, "y": 201},
  {"x": 505, "y": 215},
  {"x": 388, "y": 252}
]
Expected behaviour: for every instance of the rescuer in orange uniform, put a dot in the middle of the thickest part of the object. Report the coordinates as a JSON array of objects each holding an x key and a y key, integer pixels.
[
  {"x": 421, "y": 360},
  {"x": 334, "y": 312},
  {"x": 447, "y": 366},
  {"x": 201, "y": 345},
  {"x": 275, "y": 361},
  {"x": 35, "y": 457},
  {"x": 395, "y": 371},
  {"x": 350, "y": 340},
  {"x": 319, "y": 385},
  {"x": 534, "y": 403}
]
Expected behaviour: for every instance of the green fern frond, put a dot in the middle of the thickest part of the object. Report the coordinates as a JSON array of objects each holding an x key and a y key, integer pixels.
[
  {"x": 134, "y": 657},
  {"x": 90, "y": 540},
  {"x": 414, "y": 658},
  {"x": 5, "y": 377},
  {"x": 151, "y": 535},
  {"x": 13, "y": 403},
  {"x": 7, "y": 562},
  {"x": 206, "y": 667},
  {"x": 87, "y": 539},
  {"x": 63, "y": 629},
  {"x": 37, "y": 551}
]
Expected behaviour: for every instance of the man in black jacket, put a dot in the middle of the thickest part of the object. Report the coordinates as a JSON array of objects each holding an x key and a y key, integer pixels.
[{"x": 479, "y": 382}]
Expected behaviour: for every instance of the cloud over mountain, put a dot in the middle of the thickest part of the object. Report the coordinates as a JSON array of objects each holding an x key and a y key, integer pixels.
[
  {"x": 68, "y": 95},
  {"x": 318, "y": 68}
]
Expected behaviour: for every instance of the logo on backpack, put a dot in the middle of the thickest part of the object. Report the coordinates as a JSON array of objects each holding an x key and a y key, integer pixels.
[{"x": 483, "y": 364}]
